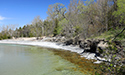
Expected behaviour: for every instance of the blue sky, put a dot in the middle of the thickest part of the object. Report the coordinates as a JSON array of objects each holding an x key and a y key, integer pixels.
[{"x": 22, "y": 12}]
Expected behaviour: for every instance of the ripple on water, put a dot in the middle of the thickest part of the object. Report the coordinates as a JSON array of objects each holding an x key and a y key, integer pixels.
[{"x": 29, "y": 60}]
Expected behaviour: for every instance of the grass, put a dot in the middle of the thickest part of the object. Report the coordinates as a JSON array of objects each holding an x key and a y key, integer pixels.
[{"x": 108, "y": 35}]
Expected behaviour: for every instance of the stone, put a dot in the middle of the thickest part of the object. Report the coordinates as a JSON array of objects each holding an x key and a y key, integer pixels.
[
  {"x": 69, "y": 42},
  {"x": 89, "y": 45},
  {"x": 102, "y": 45}
]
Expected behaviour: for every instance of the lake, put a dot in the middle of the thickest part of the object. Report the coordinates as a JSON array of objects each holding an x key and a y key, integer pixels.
[{"x": 31, "y": 60}]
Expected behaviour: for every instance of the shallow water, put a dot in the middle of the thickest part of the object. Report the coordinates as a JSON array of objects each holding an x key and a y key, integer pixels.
[{"x": 29, "y": 60}]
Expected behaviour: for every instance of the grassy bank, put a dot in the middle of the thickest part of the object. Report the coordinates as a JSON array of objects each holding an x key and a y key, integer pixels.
[
  {"x": 116, "y": 65},
  {"x": 108, "y": 35}
]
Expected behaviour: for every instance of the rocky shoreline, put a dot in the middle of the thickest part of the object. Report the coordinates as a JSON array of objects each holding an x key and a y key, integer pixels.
[
  {"x": 89, "y": 48},
  {"x": 96, "y": 47}
]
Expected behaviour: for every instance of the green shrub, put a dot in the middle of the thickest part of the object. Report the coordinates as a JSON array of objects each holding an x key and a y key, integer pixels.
[{"x": 115, "y": 65}]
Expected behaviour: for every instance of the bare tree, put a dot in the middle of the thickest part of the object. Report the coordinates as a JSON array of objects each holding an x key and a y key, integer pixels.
[
  {"x": 56, "y": 11},
  {"x": 8, "y": 29},
  {"x": 37, "y": 25}
]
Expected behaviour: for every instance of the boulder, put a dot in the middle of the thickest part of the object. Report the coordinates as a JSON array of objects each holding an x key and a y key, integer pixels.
[
  {"x": 102, "y": 45},
  {"x": 76, "y": 41},
  {"x": 68, "y": 42},
  {"x": 89, "y": 45},
  {"x": 60, "y": 39},
  {"x": 93, "y": 46}
]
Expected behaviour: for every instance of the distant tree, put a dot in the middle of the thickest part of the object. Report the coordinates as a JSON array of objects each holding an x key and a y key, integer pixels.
[
  {"x": 120, "y": 12},
  {"x": 7, "y": 31},
  {"x": 47, "y": 27},
  {"x": 20, "y": 30},
  {"x": 56, "y": 10},
  {"x": 37, "y": 27},
  {"x": 64, "y": 28},
  {"x": 25, "y": 31},
  {"x": 72, "y": 17},
  {"x": 57, "y": 29}
]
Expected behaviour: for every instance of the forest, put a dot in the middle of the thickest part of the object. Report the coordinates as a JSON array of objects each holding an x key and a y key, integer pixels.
[{"x": 83, "y": 19}]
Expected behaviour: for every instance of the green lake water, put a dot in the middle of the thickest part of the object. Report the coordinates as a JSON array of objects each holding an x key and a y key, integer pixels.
[{"x": 30, "y": 60}]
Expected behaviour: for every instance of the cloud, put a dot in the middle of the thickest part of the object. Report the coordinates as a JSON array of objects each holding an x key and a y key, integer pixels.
[{"x": 2, "y": 18}]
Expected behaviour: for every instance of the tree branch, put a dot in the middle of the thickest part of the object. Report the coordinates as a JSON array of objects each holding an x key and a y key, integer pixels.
[{"x": 118, "y": 34}]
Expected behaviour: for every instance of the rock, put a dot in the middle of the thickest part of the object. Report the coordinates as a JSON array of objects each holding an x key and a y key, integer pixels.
[
  {"x": 39, "y": 38},
  {"x": 81, "y": 45},
  {"x": 49, "y": 40},
  {"x": 69, "y": 42},
  {"x": 76, "y": 41},
  {"x": 102, "y": 45},
  {"x": 93, "y": 46},
  {"x": 13, "y": 38},
  {"x": 56, "y": 39},
  {"x": 117, "y": 42},
  {"x": 123, "y": 61},
  {"x": 89, "y": 45},
  {"x": 60, "y": 39}
]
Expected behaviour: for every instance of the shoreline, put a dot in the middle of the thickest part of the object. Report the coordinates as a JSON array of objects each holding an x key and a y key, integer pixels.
[{"x": 54, "y": 45}]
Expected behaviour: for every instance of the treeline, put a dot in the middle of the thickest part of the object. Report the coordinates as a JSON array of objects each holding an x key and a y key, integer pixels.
[
  {"x": 81, "y": 18},
  {"x": 7, "y": 32}
]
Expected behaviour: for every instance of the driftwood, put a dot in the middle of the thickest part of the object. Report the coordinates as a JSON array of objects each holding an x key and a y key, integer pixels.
[{"x": 118, "y": 34}]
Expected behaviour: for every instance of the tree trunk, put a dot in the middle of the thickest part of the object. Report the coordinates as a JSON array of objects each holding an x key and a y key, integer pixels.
[{"x": 118, "y": 34}]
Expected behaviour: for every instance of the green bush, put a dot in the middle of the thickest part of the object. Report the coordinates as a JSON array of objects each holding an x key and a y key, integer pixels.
[{"x": 115, "y": 65}]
